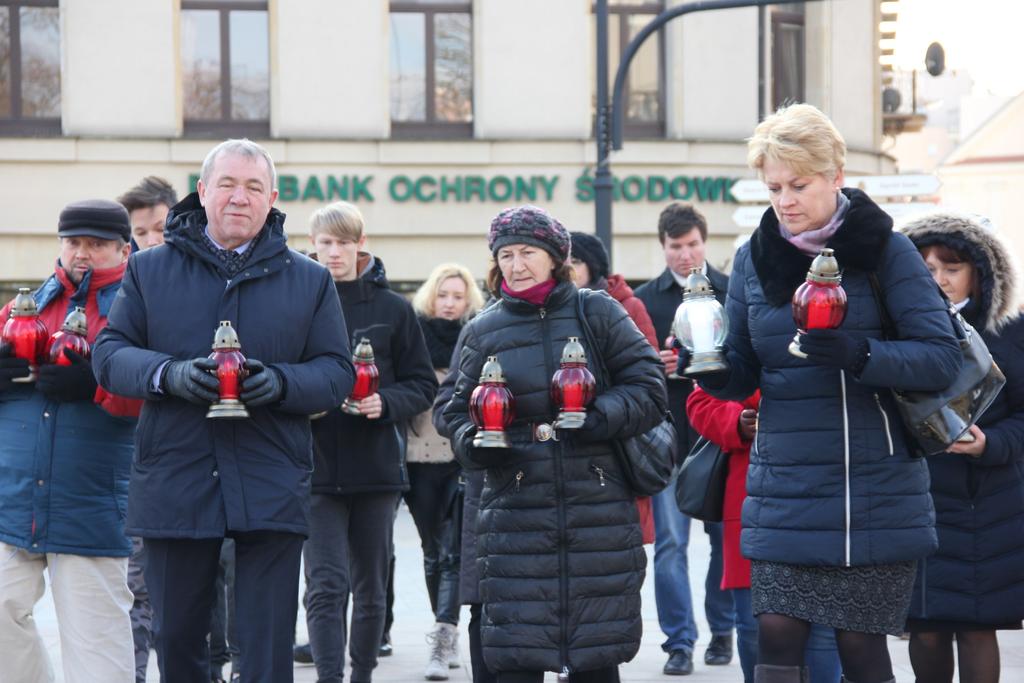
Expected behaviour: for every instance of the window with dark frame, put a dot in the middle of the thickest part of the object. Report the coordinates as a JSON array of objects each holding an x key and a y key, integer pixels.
[
  {"x": 645, "y": 82},
  {"x": 431, "y": 55},
  {"x": 29, "y": 67},
  {"x": 225, "y": 65},
  {"x": 789, "y": 55}
]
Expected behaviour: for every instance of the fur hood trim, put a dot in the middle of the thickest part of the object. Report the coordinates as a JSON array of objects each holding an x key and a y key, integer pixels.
[{"x": 991, "y": 257}]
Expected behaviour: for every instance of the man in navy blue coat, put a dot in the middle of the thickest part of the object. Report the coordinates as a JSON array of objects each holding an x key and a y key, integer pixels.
[{"x": 195, "y": 480}]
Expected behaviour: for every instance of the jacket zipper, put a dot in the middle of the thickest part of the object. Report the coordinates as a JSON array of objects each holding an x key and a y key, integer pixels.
[
  {"x": 563, "y": 560},
  {"x": 924, "y": 588},
  {"x": 519, "y": 479},
  {"x": 885, "y": 420},
  {"x": 846, "y": 463},
  {"x": 600, "y": 473}
]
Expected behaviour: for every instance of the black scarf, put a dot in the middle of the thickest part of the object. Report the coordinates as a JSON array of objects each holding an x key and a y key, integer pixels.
[{"x": 441, "y": 336}]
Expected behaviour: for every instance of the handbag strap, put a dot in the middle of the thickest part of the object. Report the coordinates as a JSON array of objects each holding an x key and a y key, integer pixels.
[
  {"x": 888, "y": 326},
  {"x": 590, "y": 339}
]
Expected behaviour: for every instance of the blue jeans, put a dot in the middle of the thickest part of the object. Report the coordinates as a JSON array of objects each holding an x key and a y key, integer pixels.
[
  {"x": 672, "y": 580},
  {"x": 820, "y": 654}
]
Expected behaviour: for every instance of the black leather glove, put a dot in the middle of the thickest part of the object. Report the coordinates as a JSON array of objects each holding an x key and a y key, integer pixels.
[
  {"x": 66, "y": 383},
  {"x": 595, "y": 427},
  {"x": 263, "y": 386},
  {"x": 835, "y": 349},
  {"x": 710, "y": 380},
  {"x": 191, "y": 380},
  {"x": 10, "y": 367}
]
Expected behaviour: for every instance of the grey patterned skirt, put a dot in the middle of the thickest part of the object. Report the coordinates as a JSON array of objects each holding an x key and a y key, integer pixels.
[{"x": 868, "y": 599}]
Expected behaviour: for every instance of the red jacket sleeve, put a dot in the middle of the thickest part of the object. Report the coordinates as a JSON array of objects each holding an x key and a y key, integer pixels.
[
  {"x": 715, "y": 419},
  {"x": 638, "y": 312},
  {"x": 118, "y": 406}
]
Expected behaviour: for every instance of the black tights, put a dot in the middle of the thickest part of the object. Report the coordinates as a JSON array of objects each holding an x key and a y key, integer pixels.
[
  {"x": 781, "y": 641},
  {"x": 931, "y": 655}
]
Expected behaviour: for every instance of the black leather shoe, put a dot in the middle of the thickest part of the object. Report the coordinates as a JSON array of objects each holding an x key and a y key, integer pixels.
[
  {"x": 302, "y": 654},
  {"x": 680, "y": 663},
  {"x": 385, "y": 646},
  {"x": 719, "y": 651}
]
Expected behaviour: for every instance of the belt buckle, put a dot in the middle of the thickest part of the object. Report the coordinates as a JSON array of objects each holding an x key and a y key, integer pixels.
[{"x": 543, "y": 431}]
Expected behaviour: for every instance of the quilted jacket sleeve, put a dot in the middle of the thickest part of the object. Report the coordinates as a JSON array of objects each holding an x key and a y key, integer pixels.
[{"x": 926, "y": 355}]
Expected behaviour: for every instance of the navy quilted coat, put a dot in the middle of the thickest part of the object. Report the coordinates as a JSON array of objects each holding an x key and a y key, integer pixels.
[
  {"x": 977, "y": 575},
  {"x": 198, "y": 478},
  {"x": 831, "y": 481},
  {"x": 559, "y": 548}
]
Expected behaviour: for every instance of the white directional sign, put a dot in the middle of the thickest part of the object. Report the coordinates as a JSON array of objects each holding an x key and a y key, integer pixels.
[
  {"x": 750, "y": 216},
  {"x": 916, "y": 185},
  {"x": 919, "y": 185},
  {"x": 752, "y": 190}
]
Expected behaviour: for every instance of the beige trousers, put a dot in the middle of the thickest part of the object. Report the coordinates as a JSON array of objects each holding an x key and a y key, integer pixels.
[{"x": 92, "y": 600}]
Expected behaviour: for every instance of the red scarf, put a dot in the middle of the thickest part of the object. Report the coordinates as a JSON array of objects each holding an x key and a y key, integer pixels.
[{"x": 535, "y": 295}]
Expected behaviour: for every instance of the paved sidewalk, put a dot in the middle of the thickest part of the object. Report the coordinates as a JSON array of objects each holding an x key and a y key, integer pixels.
[{"x": 413, "y": 619}]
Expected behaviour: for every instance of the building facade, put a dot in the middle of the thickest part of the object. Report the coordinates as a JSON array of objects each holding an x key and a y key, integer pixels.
[{"x": 430, "y": 115}]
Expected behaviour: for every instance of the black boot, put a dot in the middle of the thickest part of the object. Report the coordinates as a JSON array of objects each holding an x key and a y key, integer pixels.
[
  {"x": 719, "y": 651},
  {"x": 770, "y": 673}
]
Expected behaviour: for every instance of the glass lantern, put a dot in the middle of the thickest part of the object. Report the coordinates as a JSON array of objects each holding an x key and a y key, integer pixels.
[
  {"x": 820, "y": 302},
  {"x": 572, "y": 386},
  {"x": 367, "y": 377},
  {"x": 491, "y": 407},
  {"x": 72, "y": 336},
  {"x": 25, "y": 334},
  {"x": 230, "y": 373},
  {"x": 701, "y": 326}
]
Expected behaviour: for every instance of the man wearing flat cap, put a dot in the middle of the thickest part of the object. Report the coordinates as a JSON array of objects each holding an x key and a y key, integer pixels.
[
  {"x": 196, "y": 481},
  {"x": 65, "y": 454}
]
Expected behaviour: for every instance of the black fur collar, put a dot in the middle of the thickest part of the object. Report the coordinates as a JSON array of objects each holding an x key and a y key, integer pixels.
[{"x": 858, "y": 244}]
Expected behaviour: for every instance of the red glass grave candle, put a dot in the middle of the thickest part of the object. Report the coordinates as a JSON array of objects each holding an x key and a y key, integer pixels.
[
  {"x": 72, "y": 335},
  {"x": 25, "y": 334},
  {"x": 491, "y": 407},
  {"x": 230, "y": 373},
  {"x": 572, "y": 386},
  {"x": 367, "y": 377},
  {"x": 820, "y": 302}
]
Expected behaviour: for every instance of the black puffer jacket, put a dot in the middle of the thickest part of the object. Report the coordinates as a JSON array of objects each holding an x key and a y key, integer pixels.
[
  {"x": 559, "y": 544},
  {"x": 977, "y": 575},
  {"x": 354, "y": 454}
]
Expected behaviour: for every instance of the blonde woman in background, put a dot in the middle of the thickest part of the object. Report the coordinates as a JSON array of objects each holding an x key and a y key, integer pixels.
[{"x": 443, "y": 304}]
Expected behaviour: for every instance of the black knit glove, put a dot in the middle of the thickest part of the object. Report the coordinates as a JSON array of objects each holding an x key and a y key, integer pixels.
[
  {"x": 10, "y": 367},
  {"x": 66, "y": 383},
  {"x": 835, "y": 349},
  {"x": 263, "y": 386},
  {"x": 191, "y": 380}
]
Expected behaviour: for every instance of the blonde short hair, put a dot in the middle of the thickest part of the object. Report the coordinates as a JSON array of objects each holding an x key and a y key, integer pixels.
[
  {"x": 801, "y": 137},
  {"x": 340, "y": 219},
  {"x": 423, "y": 300}
]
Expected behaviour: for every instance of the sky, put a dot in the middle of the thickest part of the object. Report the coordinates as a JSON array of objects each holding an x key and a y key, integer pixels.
[{"x": 981, "y": 36}]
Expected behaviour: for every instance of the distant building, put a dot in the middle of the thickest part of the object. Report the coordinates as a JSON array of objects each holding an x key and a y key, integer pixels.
[
  {"x": 431, "y": 116},
  {"x": 985, "y": 173}
]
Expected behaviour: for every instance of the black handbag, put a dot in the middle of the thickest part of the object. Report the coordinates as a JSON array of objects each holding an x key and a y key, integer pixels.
[
  {"x": 700, "y": 488},
  {"x": 646, "y": 460},
  {"x": 936, "y": 419}
]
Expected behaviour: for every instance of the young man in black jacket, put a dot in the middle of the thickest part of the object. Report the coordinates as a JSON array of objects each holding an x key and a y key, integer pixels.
[
  {"x": 683, "y": 232},
  {"x": 360, "y": 459}
]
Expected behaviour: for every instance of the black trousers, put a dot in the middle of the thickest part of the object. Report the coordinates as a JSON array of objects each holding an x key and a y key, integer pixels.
[
  {"x": 182, "y": 574},
  {"x": 433, "y": 502}
]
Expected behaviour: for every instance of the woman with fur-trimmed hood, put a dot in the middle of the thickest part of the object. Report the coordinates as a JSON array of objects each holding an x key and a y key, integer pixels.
[{"x": 974, "y": 584}]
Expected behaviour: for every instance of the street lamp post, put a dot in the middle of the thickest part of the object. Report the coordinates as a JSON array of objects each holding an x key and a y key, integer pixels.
[{"x": 610, "y": 118}]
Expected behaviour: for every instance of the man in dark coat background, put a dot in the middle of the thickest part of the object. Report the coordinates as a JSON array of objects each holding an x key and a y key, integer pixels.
[
  {"x": 195, "y": 480},
  {"x": 683, "y": 232}
]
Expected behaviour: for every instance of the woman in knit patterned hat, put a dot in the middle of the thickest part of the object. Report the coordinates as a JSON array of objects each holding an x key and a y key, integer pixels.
[{"x": 559, "y": 546}]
